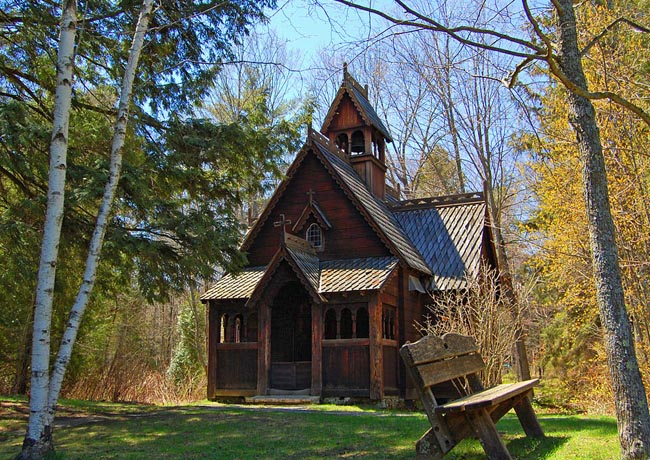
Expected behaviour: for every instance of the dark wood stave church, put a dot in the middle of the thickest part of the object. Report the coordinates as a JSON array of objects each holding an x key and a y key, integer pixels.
[{"x": 339, "y": 271}]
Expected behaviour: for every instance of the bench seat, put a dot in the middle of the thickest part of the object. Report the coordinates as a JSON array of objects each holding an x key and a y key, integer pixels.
[{"x": 490, "y": 397}]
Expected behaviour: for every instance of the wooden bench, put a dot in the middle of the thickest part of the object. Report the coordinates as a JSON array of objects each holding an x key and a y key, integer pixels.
[{"x": 452, "y": 362}]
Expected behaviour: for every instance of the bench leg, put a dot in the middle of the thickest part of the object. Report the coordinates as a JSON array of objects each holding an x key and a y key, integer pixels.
[
  {"x": 487, "y": 433},
  {"x": 428, "y": 447},
  {"x": 527, "y": 418}
]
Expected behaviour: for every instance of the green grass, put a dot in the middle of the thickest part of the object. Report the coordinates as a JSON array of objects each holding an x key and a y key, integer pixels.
[{"x": 117, "y": 431}]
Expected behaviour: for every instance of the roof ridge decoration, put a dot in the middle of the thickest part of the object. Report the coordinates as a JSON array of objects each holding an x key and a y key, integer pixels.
[
  {"x": 438, "y": 201},
  {"x": 350, "y": 80},
  {"x": 359, "y": 96}
]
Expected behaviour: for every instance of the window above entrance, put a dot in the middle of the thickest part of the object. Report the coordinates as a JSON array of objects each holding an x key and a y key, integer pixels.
[{"x": 315, "y": 236}]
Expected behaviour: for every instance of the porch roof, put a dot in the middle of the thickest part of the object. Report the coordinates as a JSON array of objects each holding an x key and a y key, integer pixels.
[
  {"x": 235, "y": 286},
  {"x": 330, "y": 276},
  {"x": 355, "y": 274}
]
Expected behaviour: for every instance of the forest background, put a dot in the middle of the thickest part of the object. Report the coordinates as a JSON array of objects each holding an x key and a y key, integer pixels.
[{"x": 177, "y": 223}]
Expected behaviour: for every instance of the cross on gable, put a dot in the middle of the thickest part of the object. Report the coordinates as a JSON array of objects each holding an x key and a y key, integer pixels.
[
  {"x": 283, "y": 222},
  {"x": 311, "y": 194}
]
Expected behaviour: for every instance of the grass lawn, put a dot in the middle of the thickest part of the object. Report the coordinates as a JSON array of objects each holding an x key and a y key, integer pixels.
[{"x": 124, "y": 431}]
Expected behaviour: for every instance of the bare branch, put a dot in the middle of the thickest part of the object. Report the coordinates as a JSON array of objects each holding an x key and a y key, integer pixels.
[
  {"x": 609, "y": 28},
  {"x": 455, "y": 32}
]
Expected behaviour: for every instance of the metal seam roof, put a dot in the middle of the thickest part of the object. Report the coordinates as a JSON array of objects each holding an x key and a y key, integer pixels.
[{"x": 455, "y": 252}]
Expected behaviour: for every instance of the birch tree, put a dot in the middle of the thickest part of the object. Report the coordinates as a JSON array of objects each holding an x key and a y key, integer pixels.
[
  {"x": 45, "y": 387},
  {"x": 562, "y": 57},
  {"x": 38, "y": 440},
  {"x": 220, "y": 20}
]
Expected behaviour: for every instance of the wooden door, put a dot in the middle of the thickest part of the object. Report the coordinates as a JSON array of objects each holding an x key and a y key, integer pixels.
[{"x": 291, "y": 339}]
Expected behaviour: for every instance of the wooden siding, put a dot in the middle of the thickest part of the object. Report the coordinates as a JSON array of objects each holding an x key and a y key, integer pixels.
[
  {"x": 345, "y": 364},
  {"x": 236, "y": 366},
  {"x": 347, "y": 117},
  {"x": 391, "y": 357},
  {"x": 350, "y": 235},
  {"x": 409, "y": 312}
]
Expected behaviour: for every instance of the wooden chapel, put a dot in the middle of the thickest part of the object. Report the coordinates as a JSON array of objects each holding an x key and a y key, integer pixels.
[{"x": 339, "y": 270}]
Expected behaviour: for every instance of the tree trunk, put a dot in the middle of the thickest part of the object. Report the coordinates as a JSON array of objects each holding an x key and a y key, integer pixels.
[
  {"x": 629, "y": 393},
  {"x": 94, "y": 251},
  {"x": 38, "y": 439}
]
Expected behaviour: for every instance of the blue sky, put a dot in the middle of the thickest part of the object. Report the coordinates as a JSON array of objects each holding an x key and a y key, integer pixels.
[{"x": 309, "y": 27}]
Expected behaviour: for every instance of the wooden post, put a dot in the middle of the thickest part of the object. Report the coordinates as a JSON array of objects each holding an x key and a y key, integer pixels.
[
  {"x": 263, "y": 348},
  {"x": 402, "y": 289},
  {"x": 374, "y": 348},
  {"x": 316, "y": 349},
  {"x": 527, "y": 417},
  {"x": 214, "y": 331}
]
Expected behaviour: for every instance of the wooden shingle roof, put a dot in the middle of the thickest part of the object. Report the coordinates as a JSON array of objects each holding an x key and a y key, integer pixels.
[
  {"x": 324, "y": 277},
  {"x": 239, "y": 286},
  {"x": 375, "y": 210},
  {"x": 364, "y": 274}
]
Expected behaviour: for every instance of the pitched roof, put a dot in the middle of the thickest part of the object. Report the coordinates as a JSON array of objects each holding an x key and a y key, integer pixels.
[
  {"x": 312, "y": 208},
  {"x": 235, "y": 286},
  {"x": 359, "y": 97},
  {"x": 301, "y": 258},
  {"x": 304, "y": 256},
  {"x": 375, "y": 210},
  {"x": 355, "y": 274},
  {"x": 448, "y": 234},
  {"x": 324, "y": 277}
]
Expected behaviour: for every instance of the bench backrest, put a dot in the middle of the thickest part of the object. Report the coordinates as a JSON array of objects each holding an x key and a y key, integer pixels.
[{"x": 433, "y": 360}]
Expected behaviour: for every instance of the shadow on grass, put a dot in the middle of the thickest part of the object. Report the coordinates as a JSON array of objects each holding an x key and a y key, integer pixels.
[
  {"x": 536, "y": 448},
  {"x": 230, "y": 433}
]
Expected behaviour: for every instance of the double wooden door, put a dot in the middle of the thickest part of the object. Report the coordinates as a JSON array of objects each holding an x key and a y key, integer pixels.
[{"x": 291, "y": 339}]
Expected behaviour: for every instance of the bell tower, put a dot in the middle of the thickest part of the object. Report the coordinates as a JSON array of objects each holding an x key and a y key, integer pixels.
[{"x": 354, "y": 126}]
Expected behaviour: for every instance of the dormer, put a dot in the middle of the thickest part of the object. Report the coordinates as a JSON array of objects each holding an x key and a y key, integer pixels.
[{"x": 354, "y": 126}]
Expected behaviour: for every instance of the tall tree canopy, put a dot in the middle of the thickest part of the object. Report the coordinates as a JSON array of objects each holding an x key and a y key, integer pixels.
[
  {"x": 175, "y": 212},
  {"x": 618, "y": 62},
  {"x": 554, "y": 44}
]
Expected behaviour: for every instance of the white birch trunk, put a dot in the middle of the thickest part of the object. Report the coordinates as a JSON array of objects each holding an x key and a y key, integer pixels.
[
  {"x": 38, "y": 437},
  {"x": 92, "y": 261}
]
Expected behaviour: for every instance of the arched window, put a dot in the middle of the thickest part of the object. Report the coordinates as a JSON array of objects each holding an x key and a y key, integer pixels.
[
  {"x": 358, "y": 143},
  {"x": 346, "y": 324},
  {"x": 315, "y": 236},
  {"x": 239, "y": 325},
  {"x": 388, "y": 330},
  {"x": 363, "y": 328},
  {"x": 223, "y": 330},
  {"x": 342, "y": 142},
  {"x": 330, "y": 324}
]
